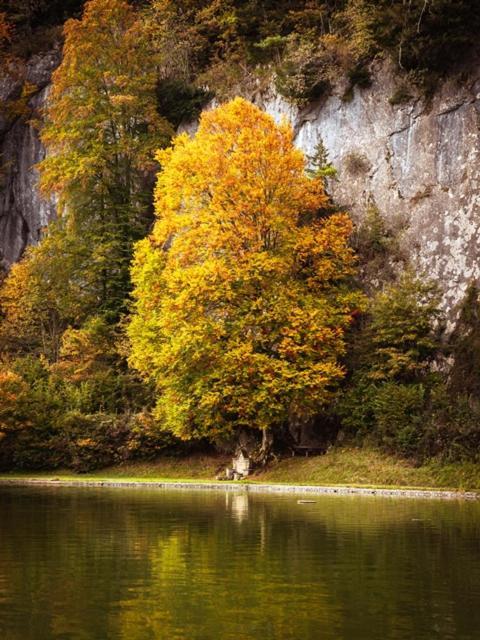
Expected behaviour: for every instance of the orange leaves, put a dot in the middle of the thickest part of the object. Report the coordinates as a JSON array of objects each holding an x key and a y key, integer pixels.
[
  {"x": 13, "y": 391},
  {"x": 5, "y": 29},
  {"x": 102, "y": 131},
  {"x": 241, "y": 295},
  {"x": 103, "y": 103},
  {"x": 323, "y": 252},
  {"x": 240, "y": 182}
]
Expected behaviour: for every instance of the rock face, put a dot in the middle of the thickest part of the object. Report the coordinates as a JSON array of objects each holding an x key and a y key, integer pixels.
[
  {"x": 417, "y": 163},
  {"x": 23, "y": 212}
]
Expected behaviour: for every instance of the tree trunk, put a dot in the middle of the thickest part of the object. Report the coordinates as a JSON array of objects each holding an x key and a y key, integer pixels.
[{"x": 265, "y": 451}]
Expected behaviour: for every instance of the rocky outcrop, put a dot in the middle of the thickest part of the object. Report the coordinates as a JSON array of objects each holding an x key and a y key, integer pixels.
[
  {"x": 417, "y": 162},
  {"x": 23, "y": 212}
]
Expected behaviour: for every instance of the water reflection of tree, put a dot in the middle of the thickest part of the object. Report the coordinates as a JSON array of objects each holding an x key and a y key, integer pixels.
[{"x": 137, "y": 565}]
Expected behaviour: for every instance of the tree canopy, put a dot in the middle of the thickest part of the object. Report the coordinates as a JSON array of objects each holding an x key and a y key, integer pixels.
[
  {"x": 102, "y": 128},
  {"x": 241, "y": 292}
]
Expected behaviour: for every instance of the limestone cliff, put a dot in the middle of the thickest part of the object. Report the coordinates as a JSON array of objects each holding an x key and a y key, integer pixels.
[
  {"x": 23, "y": 212},
  {"x": 418, "y": 162}
]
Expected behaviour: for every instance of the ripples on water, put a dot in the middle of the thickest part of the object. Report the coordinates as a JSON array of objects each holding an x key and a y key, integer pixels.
[{"x": 134, "y": 564}]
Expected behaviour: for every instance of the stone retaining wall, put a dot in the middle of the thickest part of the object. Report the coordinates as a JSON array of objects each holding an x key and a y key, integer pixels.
[{"x": 251, "y": 488}]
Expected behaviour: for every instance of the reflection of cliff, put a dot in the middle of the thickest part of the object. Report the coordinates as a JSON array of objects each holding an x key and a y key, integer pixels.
[{"x": 23, "y": 213}]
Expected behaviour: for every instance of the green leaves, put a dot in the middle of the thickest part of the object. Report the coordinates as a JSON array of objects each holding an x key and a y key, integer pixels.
[
  {"x": 388, "y": 396},
  {"x": 402, "y": 331}
]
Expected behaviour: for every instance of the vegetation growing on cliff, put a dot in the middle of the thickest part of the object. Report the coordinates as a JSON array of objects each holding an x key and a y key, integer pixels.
[
  {"x": 310, "y": 45},
  {"x": 304, "y": 45},
  {"x": 62, "y": 306},
  {"x": 244, "y": 290},
  {"x": 102, "y": 130}
]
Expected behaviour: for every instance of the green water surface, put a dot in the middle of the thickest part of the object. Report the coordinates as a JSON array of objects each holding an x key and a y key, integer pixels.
[{"x": 138, "y": 564}]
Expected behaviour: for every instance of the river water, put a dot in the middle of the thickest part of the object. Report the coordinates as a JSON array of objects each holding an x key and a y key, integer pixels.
[{"x": 137, "y": 564}]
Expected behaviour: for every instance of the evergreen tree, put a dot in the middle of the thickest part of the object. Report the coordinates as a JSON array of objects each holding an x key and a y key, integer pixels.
[{"x": 465, "y": 347}]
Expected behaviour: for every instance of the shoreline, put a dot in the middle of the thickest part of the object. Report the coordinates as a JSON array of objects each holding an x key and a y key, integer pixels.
[{"x": 442, "y": 494}]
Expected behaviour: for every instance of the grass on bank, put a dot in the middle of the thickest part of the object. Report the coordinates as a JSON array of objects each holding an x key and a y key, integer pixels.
[{"x": 341, "y": 466}]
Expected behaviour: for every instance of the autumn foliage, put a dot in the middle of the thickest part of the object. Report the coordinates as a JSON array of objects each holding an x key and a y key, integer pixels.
[
  {"x": 102, "y": 115},
  {"x": 244, "y": 289},
  {"x": 5, "y": 29},
  {"x": 61, "y": 306},
  {"x": 241, "y": 296},
  {"x": 102, "y": 130},
  {"x": 12, "y": 391}
]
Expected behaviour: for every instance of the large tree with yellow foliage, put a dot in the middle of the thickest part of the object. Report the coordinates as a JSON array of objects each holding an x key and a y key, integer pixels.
[{"x": 241, "y": 291}]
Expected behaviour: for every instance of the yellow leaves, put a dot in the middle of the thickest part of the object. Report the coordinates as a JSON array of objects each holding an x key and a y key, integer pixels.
[
  {"x": 13, "y": 390},
  {"x": 240, "y": 183},
  {"x": 240, "y": 293},
  {"x": 122, "y": 101},
  {"x": 11, "y": 385},
  {"x": 47, "y": 290},
  {"x": 323, "y": 252},
  {"x": 17, "y": 302},
  {"x": 103, "y": 101},
  {"x": 85, "y": 443},
  {"x": 86, "y": 352}
]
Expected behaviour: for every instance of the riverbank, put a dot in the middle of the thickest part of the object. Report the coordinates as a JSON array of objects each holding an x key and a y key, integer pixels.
[
  {"x": 343, "y": 470},
  {"x": 249, "y": 487}
]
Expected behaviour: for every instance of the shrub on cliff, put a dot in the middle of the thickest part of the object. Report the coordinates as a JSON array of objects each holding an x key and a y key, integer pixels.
[{"x": 388, "y": 396}]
